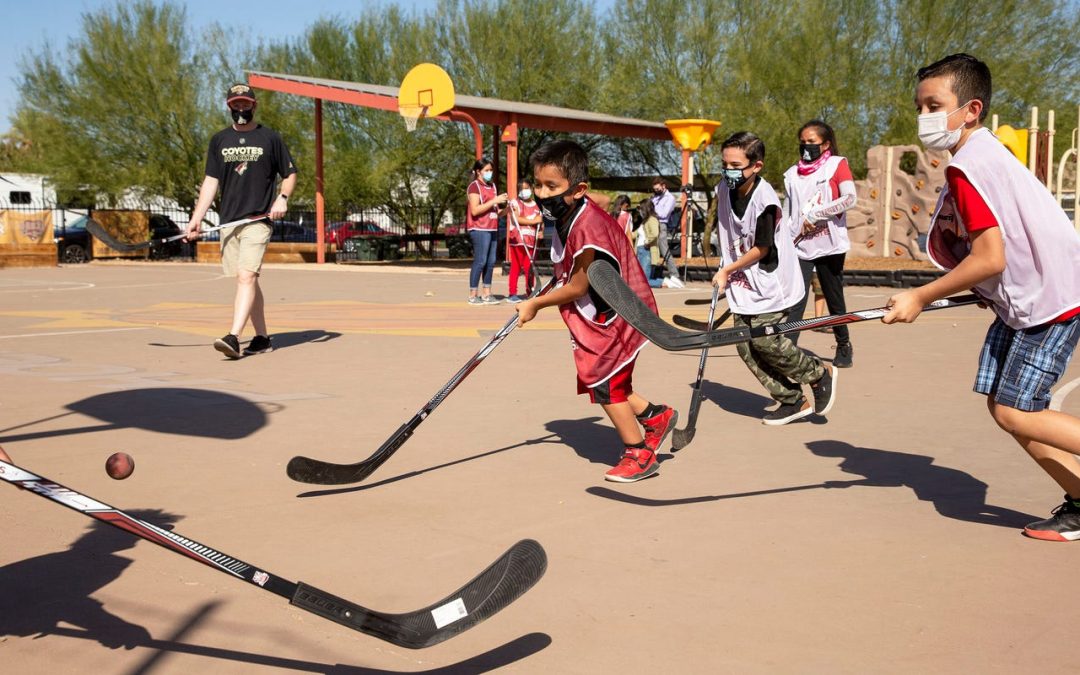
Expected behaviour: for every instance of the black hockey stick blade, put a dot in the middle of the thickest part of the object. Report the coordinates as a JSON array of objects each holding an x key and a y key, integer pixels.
[
  {"x": 609, "y": 284},
  {"x": 693, "y": 324},
  {"x": 614, "y": 291},
  {"x": 702, "y": 301},
  {"x": 309, "y": 470},
  {"x": 680, "y": 438},
  {"x": 504, "y": 581}
]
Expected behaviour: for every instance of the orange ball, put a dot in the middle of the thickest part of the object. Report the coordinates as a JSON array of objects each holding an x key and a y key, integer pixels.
[{"x": 119, "y": 465}]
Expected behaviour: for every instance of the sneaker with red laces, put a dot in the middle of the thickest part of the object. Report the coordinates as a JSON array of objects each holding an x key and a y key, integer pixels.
[
  {"x": 659, "y": 426},
  {"x": 636, "y": 463}
]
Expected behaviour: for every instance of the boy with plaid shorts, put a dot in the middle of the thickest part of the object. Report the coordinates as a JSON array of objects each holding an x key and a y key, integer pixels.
[
  {"x": 998, "y": 230},
  {"x": 605, "y": 346},
  {"x": 245, "y": 160}
]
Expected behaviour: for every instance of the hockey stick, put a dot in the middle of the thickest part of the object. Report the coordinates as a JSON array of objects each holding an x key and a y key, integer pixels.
[
  {"x": 614, "y": 291},
  {"x": 308, "y": 470},
  {"x": 693, "y": 324},
  {"x": 515, "y": 572},
  {"x": 702, "y": 301},
  {"x": 680, "y": 438},
  {"x": 99, "y": 232}
]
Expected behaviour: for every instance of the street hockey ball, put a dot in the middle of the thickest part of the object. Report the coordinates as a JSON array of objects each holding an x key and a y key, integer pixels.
[{"x": 119, "y": 465}]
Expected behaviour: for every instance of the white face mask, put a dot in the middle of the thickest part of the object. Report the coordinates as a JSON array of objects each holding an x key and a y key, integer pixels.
[
  {"x": 934, "y": 130},
  {"x": 526, "y": 195}
]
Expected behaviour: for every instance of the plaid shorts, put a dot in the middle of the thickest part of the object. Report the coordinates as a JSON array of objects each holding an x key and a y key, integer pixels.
[{"x": 1019, "y": 367}]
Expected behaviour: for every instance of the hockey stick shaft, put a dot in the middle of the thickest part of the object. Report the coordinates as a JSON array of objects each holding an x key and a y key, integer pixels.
[
  {"x": 308, "y": 470},
  {"x": 100, "y": 233},
  {"x": 680, "y": 438},
  {"x": 492, "y": 590}
]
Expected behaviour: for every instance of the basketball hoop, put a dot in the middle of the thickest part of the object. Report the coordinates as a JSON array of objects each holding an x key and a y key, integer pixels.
[{"x": 412, "y": 115}]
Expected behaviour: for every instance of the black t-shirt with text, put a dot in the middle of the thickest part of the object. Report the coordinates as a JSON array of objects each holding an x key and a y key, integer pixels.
[{"x": 247, "y": 164}]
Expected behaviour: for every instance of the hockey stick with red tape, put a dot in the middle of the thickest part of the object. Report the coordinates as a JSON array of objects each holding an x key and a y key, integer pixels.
[{"x": 503, "y": 582}]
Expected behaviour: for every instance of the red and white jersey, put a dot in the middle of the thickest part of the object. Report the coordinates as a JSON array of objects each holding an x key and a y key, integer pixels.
[
  {"x": 1041, "y": 280},
  {"x": 520, "y": 233},
  {"x": 804, "y": 193},
  {"x": 602, "y": 341},
  {"x": 752, "y": 290},
  {"x": 485, "y": 221}
]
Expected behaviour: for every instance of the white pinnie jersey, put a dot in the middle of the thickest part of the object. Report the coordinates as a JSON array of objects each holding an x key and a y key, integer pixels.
[
  {"x": 804, "y": 193},
  {"x": 752, "y": 290},
  {"x": 1041, "y": 280}
]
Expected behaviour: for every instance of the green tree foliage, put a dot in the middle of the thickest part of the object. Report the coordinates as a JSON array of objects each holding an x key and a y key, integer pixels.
[
  {"x": 134, "y": 103},
  {"x": 123, "y": 111}
]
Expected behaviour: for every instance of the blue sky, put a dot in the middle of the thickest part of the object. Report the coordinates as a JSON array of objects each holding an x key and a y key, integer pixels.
[{"x": 33, "y": 24}]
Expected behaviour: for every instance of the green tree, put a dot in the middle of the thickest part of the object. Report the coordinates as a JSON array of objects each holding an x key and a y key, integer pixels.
[{"x": 127, "y": 111}]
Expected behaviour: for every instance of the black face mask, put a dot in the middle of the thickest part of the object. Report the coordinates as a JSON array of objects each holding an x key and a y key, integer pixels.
[
  {"x": 808, "y": 152},
  {"x": 242, "y": 117},
  {"x": 658, "y": 191},
  {"x": 555, "y": 207}
]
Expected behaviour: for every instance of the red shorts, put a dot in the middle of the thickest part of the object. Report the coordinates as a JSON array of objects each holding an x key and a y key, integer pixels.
[{"x": 615, "y": 389}]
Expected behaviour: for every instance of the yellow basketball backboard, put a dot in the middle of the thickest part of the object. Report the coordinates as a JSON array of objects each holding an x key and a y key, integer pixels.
[{"x": 426, "y": 91}]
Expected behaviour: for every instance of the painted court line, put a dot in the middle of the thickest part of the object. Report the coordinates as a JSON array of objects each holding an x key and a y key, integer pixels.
[
  {"x": 1059, "y": 396},
  {"x": 73, "y": 332}
]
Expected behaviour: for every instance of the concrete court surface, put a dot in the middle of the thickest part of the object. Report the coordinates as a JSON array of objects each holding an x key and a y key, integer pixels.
[{"x": 885, "y": 539}]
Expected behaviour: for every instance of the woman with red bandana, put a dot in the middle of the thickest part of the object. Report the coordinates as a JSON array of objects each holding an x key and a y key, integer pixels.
[{"x": 819, "y": 191}]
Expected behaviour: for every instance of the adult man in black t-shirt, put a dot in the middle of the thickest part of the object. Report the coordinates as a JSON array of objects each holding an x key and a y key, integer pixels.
[{"x": 245, "y": 161}]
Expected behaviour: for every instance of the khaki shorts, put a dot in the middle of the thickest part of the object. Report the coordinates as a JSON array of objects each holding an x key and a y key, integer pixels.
[{"x": 242, "y": 248}]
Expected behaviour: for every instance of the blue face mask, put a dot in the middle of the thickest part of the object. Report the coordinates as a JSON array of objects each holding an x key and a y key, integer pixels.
[
  {"x": 486, "y": 176},
  {"x": 734, "y": 177}
]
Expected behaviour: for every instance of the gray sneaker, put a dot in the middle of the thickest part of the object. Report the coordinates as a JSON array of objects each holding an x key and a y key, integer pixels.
[
  {"x": 491, "y": 300},
  {"x": 475, "y": 300}
]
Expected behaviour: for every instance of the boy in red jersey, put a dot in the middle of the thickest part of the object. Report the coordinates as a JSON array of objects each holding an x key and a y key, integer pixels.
[
  {"x": 605, "y": 346},
  {"x": 998, "y": 229}
]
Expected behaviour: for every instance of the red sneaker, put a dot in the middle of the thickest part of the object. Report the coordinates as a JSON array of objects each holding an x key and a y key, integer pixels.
[
  {"x": 659, "y": 426},
  {"x": 636, "y": 463}
]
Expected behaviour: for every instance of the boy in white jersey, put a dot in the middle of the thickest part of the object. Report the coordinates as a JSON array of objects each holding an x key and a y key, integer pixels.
[
  {"x": 998, "y": 230},
  {"x": 763, "y": 280}
]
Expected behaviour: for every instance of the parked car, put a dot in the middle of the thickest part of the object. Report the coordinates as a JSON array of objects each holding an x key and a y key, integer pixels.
[
  {"x": 162, "y": 227},
  {"x": 337, "y": 233},
  {"x": 288, "y": 231},
  {"x": 72, "y": 241}
]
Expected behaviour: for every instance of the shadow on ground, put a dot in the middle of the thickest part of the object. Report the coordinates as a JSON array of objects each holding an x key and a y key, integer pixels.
[
  {"x": 166, "y": 410},
  {"x": 953, "y": 493},
  {"x": 280, "y": 340},
  {"x": 46, "y": 595}
]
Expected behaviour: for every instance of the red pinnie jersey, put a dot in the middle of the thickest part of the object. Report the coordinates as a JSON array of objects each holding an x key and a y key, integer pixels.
[
  {"x": 522, "y": 234},
  {"x": 602, "y": 341}
]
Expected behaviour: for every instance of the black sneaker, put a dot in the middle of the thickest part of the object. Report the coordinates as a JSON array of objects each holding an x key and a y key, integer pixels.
[
  {"x": 1063, "y": 525},
  {"x": 788, "y": 412},
  {"x": 824, "y": 391},
  {"x": 228, "y": 345},
  {"x": 260, "y": 344},
  {"x": 843, "y": 355}
]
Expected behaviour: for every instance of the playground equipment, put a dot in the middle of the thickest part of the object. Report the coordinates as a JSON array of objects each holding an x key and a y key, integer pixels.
[
  {"x": 689, "y": 135},
  {"x": 1035, "y": 147},
  {"x": 892, "y": 213}
]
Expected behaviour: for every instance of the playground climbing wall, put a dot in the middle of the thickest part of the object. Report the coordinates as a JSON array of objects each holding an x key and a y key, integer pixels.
[{"x": 892, "y": 214}]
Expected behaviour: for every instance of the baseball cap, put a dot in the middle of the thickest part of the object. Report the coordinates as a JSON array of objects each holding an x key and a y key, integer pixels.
[{"x": 240, "y": 91}]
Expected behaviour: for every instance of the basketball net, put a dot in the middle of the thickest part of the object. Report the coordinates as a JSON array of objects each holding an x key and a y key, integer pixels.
[{"x": 412, "y": 115}]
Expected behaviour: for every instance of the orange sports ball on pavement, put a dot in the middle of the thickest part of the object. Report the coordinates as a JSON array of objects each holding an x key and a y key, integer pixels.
[{"x": 119, "y": 465}]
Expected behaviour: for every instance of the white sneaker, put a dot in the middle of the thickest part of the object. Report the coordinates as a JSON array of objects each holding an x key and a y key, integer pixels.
[
  {"x": 678, "y": 282},
  {"x": 666, "y": 283}
]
